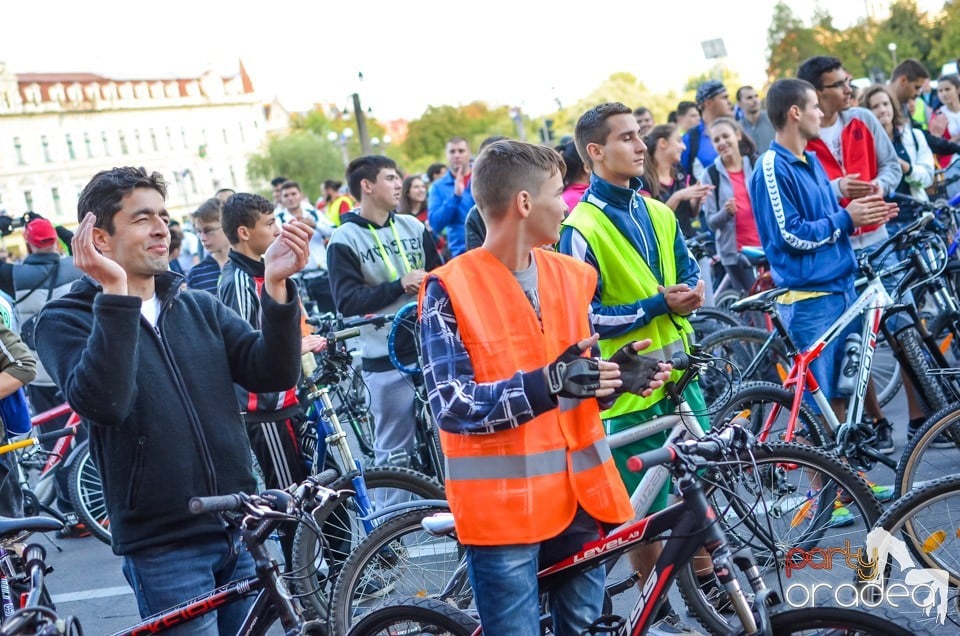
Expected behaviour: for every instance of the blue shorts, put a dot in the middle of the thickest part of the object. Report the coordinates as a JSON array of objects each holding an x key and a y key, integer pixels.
[{"x": 806, "y": 320}]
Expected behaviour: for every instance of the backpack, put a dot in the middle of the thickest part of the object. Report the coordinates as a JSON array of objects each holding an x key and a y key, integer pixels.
[
  {"x": 14, "y": 412},
  {"x": 714, "y": 173}
]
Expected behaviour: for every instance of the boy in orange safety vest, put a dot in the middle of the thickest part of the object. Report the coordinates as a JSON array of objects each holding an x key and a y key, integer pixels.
[{"x": 504, "y": 331}]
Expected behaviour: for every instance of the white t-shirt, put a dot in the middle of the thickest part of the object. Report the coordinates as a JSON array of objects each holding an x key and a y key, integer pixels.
[
  {"x": 150, "y": 309},
  {"x": 830, "y": 136},
  {"x": 953, "y": 122}
]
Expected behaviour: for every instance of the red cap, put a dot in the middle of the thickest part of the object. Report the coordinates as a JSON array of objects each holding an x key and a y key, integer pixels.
[{"x": 40, "y": 233}]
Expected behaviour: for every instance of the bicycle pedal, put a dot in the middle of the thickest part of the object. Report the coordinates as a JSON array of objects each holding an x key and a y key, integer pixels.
[{"x": 608, "y": 624}]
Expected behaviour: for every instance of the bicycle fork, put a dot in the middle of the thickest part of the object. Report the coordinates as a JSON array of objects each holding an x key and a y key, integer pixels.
[{"x": 336, "y": 438}]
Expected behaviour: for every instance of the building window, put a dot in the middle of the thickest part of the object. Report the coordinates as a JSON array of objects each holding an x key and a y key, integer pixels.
[
  {"x": 183, "y": 136},
  {"x": 203, "y": 135},
  {"x": 28, "y": 199},
  {"x": 46, "y": 148},
  {"x": 55, "y": 193},
  {"x": 153, "y": 140},
  {"x": 233, "y": 177},
  {"x": 169, "y": 138},
  {"x": 193, "y": 181},
  {"x": 18, "y": 149},
  {"x": 124, "y": 150},
  {"x": 136, "y": 136},
  {"x": 88, "y": 145},
  {"x": 243, "y": 138},
  {"x": 70, "y": 150},
  {"x": 226, "y": 139},
  {"x": 106, "y": 143}
]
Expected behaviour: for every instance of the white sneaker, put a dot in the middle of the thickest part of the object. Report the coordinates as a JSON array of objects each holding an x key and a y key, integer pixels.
[{"x": 672, "y": 625}]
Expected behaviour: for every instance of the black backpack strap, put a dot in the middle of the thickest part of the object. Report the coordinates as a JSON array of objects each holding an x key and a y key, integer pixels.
[
  {"x": 51, "y": 276},
  {"x": 714, "y": 173},
  {"x": 692, "y": 148}
]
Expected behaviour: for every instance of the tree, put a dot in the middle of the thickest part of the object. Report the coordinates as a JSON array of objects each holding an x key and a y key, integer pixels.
[
  {"x": 946, "y": 48},
  {"x": 427, "y": 136},
  {"x": 788, "y": 43},
  {"x": 303, "y": 156}
]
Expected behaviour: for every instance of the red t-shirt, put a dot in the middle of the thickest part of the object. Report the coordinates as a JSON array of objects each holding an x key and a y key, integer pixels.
[{"x": 746, "y": 225}]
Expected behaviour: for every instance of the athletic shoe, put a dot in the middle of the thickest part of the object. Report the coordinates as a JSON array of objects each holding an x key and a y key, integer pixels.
[
  {"x": 671, "y": 625},
  {"x": 76, "y": 531},
  {"x": 840, "y": 517},
  {"x": 940, "y": 441},
  {"x": 884, "y": 438},
  {"x": 882, "y": 493}
]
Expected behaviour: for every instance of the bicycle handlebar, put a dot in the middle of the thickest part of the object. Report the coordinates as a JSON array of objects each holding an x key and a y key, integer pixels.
[
  {"x": 278, "y": 500},
  {"x": 344, "y": 334},
  {"x": 907, "y": 232},
  {"x": 711, "y": 448}
]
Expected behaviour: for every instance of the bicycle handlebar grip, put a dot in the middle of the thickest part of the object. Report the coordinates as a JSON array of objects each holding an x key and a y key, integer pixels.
[
  {"x": 216, "y": 503},
  {"x": 681, "y": 361},
  {"x": 650, "y": 459},
  {"x": 344, "y": 334},
  {"x": 327, "y": 477},
  {"x": 63, "y": 432}
]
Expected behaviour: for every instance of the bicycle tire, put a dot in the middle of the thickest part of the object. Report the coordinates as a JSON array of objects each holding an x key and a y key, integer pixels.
[
  {"x": 87, "y": 496},
  {"x": 838, "y": 621},
  {"x": 746, "y": 354},
  {"x": 708, "y": 320},
  {"x": 931, "y": 391},
  {"x": 429, "y": 615},
  {"x": 885, "y": 372},
  {"x": 922, "y": 540},
  {"x": 337, "y": 522},
  {"x": 809, "y": 518},
  {"x": 759, "y": 398},
  {"x": 402, "y": 553},
  {"x": 918, "y": 464},
  {"x": 352, "y": 403}
]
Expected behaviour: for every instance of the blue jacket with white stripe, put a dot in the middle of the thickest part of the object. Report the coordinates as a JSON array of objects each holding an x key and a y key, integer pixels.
[{"x": 804, "y": 231}]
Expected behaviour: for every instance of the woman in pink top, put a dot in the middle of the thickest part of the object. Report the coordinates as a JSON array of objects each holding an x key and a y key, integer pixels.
[
  {"x": 728, "y": 210},
  {"x": 577, "y": 178}
]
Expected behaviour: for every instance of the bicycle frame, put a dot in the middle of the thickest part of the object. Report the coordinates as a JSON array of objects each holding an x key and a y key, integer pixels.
[
  {"x": 870, "y": 304},
  {"x": 692, "y": 525}
]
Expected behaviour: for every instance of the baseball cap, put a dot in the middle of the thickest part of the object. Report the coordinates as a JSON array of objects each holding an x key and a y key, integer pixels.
[
  {"x": 708, "y": 89},
  {"x": 40, "y": 233}
]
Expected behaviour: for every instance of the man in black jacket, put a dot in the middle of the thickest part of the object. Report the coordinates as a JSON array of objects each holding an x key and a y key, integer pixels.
[{"x": 152, "y": 368}]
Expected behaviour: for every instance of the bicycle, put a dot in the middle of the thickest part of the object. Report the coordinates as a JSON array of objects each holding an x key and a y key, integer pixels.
[
  {"x": 346, "y": 520},
  {"x": 274, "y": 610},
  {"x": 83, "y": 479},
  {"x": 912, "y": 345},
  {"x": 796, "y": 480},
  {"x": 693, "y": 524}
]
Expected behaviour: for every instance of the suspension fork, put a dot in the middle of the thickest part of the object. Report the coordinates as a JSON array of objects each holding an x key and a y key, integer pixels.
[{"x": 336, "y": 438}]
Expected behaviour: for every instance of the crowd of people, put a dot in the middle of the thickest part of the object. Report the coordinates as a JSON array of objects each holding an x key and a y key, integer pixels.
[{"x": 543, "y": 276}]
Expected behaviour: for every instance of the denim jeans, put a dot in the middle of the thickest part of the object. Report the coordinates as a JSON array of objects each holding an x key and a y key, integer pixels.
[
  {"x": 504, "y": 580},
  {"x": 806, "y": 320},
  {"x": 166, "y": 576}
]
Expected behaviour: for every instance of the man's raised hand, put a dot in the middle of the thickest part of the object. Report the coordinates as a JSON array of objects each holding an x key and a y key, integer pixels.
[{"x": 88, "y": 260}]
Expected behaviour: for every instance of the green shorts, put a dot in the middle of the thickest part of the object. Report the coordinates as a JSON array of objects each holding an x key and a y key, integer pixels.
[{"x": 631, "y": 480}]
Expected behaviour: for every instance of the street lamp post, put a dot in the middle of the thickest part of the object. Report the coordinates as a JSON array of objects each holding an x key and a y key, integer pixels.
[{"x": 892, "y": 47}]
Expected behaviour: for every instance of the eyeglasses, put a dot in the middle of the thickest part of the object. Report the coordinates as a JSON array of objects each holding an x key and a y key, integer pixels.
[
  {"x": 208, "y": 231},
  {"x": 839, "y": 84}
]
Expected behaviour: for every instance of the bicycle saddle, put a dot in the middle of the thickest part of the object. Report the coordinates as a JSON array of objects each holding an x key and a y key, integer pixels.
[
  {"x": 438, "y": 524},
  {"x": 754, "y": 254},
  {"x": 759, "y": 302},
  {"x": 11, "y": 525}
]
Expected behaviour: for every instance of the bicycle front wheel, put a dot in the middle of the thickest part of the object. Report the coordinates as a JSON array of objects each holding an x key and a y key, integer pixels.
[
  {"x": 416, "y": 616},
  {"x": 399, "y": 559},
  {"x": 767, "y": 407},
  {"x": 836, "y": 621},
  {"x": 86, "y": 494},
  {"x": 786, "y": 503},
  {"x": 925, "y": 521},
  {"x": 317, "y": 560}
]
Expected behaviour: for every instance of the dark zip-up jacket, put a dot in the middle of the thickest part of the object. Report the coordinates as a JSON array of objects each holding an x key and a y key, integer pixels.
[{"x": 165, "y": 421}]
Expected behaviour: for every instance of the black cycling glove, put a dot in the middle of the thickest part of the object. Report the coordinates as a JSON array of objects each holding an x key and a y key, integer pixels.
[
  {"x": 636, "y": 371},
  {"x": 573, "y": 376}
]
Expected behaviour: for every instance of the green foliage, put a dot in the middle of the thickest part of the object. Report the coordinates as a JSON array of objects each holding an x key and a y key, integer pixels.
[
  {"x": 302, "y": 156},
  {"x": 864, "y": 47}
]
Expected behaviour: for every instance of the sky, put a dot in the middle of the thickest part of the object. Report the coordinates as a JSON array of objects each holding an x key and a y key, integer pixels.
[{"x": 412, "y": 54}]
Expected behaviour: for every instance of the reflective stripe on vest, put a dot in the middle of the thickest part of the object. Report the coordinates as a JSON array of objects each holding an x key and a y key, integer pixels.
[
  {"x": 523, "y": 484},
  {"x": 527, "y": 466},
  {"x": 627, "y": 278}
]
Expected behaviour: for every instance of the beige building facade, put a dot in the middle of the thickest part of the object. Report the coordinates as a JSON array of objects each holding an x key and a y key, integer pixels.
[{"x": 58, "y": 129}]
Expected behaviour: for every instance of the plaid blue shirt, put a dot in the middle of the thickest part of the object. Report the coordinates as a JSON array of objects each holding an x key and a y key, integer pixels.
[{"x": 459, "y": 403}]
